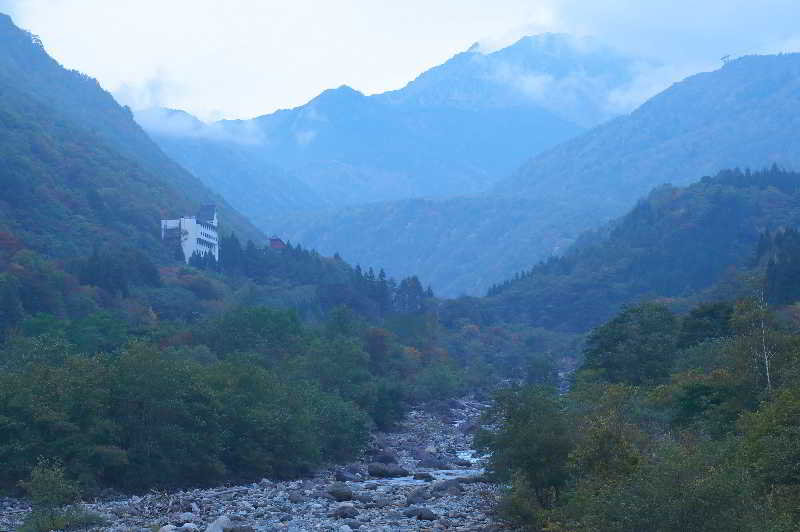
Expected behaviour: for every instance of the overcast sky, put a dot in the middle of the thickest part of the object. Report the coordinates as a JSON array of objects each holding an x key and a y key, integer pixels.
[{"x": 242, "y": 58}]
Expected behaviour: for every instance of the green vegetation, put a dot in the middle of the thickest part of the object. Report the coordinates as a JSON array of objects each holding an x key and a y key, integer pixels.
[
  {"x": 249, "y": 393},
  {"x": 663, "y": 429},
  {"x": 54, "y": 500}
]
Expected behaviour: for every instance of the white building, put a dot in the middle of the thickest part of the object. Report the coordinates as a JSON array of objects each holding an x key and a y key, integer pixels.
[{"x": 196, "y": 234}]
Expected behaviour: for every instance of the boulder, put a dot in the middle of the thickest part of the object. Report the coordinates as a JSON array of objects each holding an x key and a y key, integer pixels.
[
  {"x": 345, "y": 476},
  {"x": 386, "y": 458},
  {"x": 298, "y": 498},
  {"x": 340, "y": 492},
  {"x": 417, "y": 496},
  {"x": 380, "y": 470},
  {"x": 221, "y": 524},
  {"x": 345, "y": 511},
  {"x": 447, "y": 487},
  {"x": 432, "y": 462},
  {"x": 425, "y": 514},
  {"x": 423, "y": 476}
]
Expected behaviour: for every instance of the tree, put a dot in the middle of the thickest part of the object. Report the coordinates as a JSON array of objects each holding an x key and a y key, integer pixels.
[
  {"x": 533, "y": 440},
  {"x": 636, "y": 347}
]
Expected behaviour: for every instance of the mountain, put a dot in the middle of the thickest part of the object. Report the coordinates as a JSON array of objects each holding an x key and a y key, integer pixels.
[
  {"x": 231, "y": 165},
  {"x": 460, "y": 245},
  {"x": 678, "y": 242},
  {"x": 454, "y": 130},
  {"x": 743, "y": 115},
  {"x": 72, "y": 100}
]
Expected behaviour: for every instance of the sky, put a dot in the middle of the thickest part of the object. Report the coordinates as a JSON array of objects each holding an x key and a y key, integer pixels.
[{"x": 243, "y": 58}]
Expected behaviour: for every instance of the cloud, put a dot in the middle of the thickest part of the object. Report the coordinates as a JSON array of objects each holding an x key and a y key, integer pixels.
[
  {"x": 247, "y": 58},
  {"x": 173, "y": 123}
]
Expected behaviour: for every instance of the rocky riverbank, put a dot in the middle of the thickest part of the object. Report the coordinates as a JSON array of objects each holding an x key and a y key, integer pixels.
[{"x": 423, "y": 477}]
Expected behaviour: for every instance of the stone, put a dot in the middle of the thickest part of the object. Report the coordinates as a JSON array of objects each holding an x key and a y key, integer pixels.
[
  {"x": 417, "y": 496},
  {"x": 345, "y": 476},
  {"x": 386, "y": 458},
  {"x": 377, "y": 469},
  {"x": 185, "y": 517},
  {"x": 340, "y": 492},
  {"x": 167, "y": 528},
  {"x": 460, "y": 462},
  {"x": 432, "y": 462},
  {"x": 363, "y": 498},
  {"x": 423, "y": 476},
  {"x": 426, "y": 514},
  {"x": 221, "y": 524},
  {"x": 447, "y": 487},
  {"x": 346, "y": 511},
  {"x": 297, "y": 498}
]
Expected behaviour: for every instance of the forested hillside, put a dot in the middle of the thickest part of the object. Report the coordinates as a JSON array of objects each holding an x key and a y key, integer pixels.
[
  {"x": 676, "y": 243},
  {"x": 742, "y": 115},
  {"x": 78, "y": 102}
]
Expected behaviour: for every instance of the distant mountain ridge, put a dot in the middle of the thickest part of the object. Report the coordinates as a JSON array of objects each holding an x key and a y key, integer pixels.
[
  {"x": 745, "y": 114},
  {"x": 456, "y": 129},
  {"x": 742, "y": 115}
]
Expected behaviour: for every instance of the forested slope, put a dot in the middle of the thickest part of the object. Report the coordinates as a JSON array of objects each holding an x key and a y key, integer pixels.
[
  {"x": 675, "y": 243},
  {"x": 79, "y": 100}
]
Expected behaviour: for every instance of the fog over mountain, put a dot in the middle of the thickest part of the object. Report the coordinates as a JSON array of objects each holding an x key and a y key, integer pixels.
[
  {"x": 741, "y": 115},
  {"x": 454, "y": 130}
]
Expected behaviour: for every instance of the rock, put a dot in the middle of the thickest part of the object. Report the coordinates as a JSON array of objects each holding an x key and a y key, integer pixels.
[
  {"x": 370, "y": 486},
  {"x": 167, "y": 528},
  {"x": 425, "y": 514},
  {"x": 462, "y": 463},
  {"x": 386, "y": 458},
  {"x": 382, "y": 502},
  {"x": 189, "y": 527},
  {"x": 447, "y": 487},
  {"x": 423, "y": 476},
  {"x": 345, "y": 511},
  {"x": 468, "y": 427},
  {"x": 340, "y": 492},
  {"x": 386, "y": 470},
  {"x": 240, "y": 529},
  {"x": 432, "y": 462},
  {"x": 345, "y": 476},
  {"x": 298, "y": 498},
  {"x": 411, "y": 512},
  {"x": 221, "y": 524},
  {"x": 185, "y": 517},
  {"x": 345, "y": 528},
  {"x": 417, "y": 496},
  {"x": 363, "y": 498}
]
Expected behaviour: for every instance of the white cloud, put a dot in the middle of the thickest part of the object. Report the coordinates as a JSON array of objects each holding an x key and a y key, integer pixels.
[{"x": 242, "y": 58}]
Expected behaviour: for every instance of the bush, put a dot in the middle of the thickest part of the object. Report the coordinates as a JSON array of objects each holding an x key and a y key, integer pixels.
[
  {"x": 71, "y": 518},
  {"x": 48, "y": 487}
]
